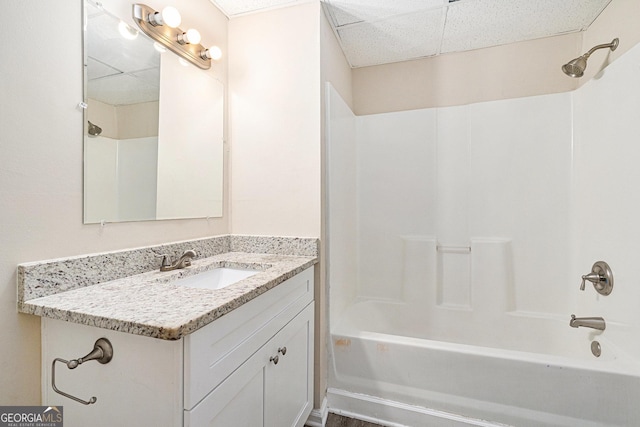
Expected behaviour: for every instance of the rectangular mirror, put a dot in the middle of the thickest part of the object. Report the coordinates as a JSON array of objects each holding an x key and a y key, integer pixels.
[{"x": 153, "y": 143}]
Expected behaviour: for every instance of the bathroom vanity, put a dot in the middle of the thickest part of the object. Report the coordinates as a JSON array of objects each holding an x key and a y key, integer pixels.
[{"x": 237, "y": 356}]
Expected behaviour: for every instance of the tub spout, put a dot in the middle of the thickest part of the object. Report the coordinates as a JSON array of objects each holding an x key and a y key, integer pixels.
[{"x": 587, "y": 322}]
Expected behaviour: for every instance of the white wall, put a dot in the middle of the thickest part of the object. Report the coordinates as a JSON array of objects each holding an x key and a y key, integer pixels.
[
  {"x": 41, "y": 168},
  {"x": 274, "y": 85}
]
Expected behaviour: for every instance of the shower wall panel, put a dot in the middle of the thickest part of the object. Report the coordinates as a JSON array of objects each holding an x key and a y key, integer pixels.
[
  {"x": 520, "y": 177},
  {"x": 341, "y": 202},
  {"x": 496, "y": 171},
  {"x": 396, "y": 166},
  {"x": 607, "y": 195}
]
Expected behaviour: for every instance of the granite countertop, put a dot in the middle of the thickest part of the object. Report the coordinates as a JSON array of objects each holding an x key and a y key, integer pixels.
[{"x": 150, "y": 304}]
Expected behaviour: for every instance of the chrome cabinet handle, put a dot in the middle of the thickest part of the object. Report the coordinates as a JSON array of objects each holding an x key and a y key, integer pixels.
[
  {"x": 275, "y": 359},
  {"x": 102, "y": 352}
]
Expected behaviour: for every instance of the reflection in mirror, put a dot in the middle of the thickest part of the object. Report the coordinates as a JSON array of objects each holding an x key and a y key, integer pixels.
[{"x": 153, "y": 128}]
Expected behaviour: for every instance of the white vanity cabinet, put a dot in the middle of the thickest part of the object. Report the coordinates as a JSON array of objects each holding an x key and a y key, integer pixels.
[
  {"x": 262, "y": 392},
  {"x": 224, "y": 374}
]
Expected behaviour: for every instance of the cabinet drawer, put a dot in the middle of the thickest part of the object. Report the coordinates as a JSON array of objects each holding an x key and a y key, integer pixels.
[{"x": 212, "y": 353}]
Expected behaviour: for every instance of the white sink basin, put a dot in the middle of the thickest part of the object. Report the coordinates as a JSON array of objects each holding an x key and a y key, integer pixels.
[{"x": 217, "y": 278}]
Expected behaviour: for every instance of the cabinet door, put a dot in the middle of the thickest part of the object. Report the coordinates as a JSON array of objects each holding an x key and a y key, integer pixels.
[
  {"x": 237, "y": 402},
  {"x": 289, "y": 383}
]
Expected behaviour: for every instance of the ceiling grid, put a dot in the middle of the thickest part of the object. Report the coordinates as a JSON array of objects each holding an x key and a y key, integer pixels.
[{"x": 374, "y": 32}]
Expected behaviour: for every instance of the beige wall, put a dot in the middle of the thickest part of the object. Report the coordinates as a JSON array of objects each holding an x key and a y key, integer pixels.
[
  {"x": 105, "y": 116},
  {"x": 334, "y": 65},
  {"x": 41, "y": 131},
  {"x": 137, "y": 120},
  {"x": 501, "y": 72},
  {"x": 275, "y": 95},
  {"x": 124, "y": 121},
  {"x": 274, "y": 85}
]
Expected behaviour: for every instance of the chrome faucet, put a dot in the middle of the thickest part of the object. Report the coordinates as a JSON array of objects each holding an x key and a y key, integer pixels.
[
  {"x": 182, "y": 262},
  {"x": 587, "y": 322}
]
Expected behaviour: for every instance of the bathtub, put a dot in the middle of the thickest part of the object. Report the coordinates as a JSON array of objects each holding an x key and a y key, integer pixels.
[{"x": 391, "y": 365}]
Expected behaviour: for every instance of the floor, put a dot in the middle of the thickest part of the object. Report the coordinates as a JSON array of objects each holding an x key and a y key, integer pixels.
[{"x": 339, "y": 421}]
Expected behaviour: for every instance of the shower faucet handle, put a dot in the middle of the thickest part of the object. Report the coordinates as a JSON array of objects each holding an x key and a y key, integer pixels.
[
  {"x": 601, "y": 276},
  {"x": 593, "y": 278}
]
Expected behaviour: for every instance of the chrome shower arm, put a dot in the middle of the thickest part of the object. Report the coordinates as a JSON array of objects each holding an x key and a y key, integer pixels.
[{"x": 613, "y": 45}]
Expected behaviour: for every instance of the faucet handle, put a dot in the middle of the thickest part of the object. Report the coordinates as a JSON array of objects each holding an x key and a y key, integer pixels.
[
  {"x": 165, "y": 259},
  {"x": 593, "y": 278},
  {"x": 189, "y": 253},
  {"x": 601, "y": 276}
]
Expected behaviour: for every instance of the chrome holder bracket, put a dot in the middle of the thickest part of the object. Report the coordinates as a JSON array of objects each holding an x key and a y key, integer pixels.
[{"x": 102, "y": 352}]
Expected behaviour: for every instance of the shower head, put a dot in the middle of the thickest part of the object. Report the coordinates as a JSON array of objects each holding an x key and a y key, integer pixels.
[
  {"x": 576, "y": 67},
  {"x": 94, "y": 130}
]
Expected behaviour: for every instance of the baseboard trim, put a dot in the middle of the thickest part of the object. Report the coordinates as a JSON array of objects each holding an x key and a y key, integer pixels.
[
  {"x": 318, "y": 417},
  {"x": 394, "y": 414}
]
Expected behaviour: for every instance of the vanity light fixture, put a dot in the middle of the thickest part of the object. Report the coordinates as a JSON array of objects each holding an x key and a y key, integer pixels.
[{"x": 186, "y": 44}]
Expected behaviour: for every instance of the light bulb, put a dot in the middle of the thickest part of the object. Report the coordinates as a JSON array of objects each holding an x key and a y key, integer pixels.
[
  {"x": 126, "y": 31},
  {"x": 169, "y": 17},
  {"x": 192, "y": 36},
  {"x": 213, "y": 52}
]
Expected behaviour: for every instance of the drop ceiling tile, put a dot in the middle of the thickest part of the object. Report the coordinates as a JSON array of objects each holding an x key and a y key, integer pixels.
[
  {"x": 122, "y": 89},
  {"x": 344, "y": 12},
  {"x": 105, "y": 44},
  {"x": 474, "y": 24},
  {"x": 98, "y": 70},
  {"x": 238, "y": 7},
  {"x": 399, "y": 38}
]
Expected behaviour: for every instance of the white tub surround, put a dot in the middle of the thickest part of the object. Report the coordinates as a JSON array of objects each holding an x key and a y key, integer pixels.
[
  {"x": 457, "y": 238},
  {"x": 125, "y": 291}
]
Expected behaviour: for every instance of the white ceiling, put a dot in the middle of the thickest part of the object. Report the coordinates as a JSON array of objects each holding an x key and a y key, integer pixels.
[
  {"x": 119, "y": 71},
  {"x": 373, "y": 32}
]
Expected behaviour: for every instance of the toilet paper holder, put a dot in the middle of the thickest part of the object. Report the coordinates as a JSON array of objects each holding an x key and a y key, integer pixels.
[{"x": 102, "y": 352}]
